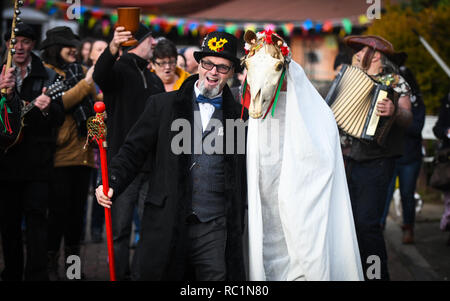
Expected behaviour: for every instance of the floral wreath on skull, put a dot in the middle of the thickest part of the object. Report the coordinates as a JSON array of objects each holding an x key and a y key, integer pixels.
[{"x": 267, "y": 37}]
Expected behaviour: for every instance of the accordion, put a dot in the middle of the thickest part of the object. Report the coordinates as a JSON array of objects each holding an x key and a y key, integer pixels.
[{"x": 353, "y": 97}]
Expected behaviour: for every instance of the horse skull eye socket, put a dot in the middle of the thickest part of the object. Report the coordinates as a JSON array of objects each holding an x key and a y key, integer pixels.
[{"x": 278, "y": 66}]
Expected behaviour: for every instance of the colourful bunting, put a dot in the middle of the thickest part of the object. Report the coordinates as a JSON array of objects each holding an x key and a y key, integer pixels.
[
  {"x": 91, "y": 23},
  {"x": 307, "y": 25},
  {"x": 288, "y": 28},
  {"x": 327, "y": 26},
  {"x": 318, "y": 27},
  {"x": 107, "y": 18},
  {"x": 363, "y": 19},
  {"x": 113, "y": 19},
  {"x": 347, "y": 25},
  {"x": 231, "y": 28},
  {"x": 106, "y": 27},
  {"x": 250, "y": 26}
]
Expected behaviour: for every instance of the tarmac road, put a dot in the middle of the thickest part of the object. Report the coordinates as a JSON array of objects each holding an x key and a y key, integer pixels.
[{"x": 427, "y": 260}]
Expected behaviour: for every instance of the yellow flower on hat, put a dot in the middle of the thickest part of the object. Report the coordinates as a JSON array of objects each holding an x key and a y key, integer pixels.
[{"x": 215, "y": 45}]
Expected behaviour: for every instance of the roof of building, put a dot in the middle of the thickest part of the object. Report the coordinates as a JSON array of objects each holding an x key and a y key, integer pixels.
[{"x": 284, "y": 10}]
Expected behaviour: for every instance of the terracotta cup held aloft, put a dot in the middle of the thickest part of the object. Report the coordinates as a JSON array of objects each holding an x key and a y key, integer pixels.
[{"x": 129, "y": 18}]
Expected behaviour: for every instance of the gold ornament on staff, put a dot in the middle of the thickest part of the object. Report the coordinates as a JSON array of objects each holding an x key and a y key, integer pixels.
[{"x": 16, "y": 20}]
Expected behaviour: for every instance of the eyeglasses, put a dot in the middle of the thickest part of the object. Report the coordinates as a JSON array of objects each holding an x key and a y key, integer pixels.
[
  {"x": 224, "y": 69},
  {"x": 170, "y": 63}
]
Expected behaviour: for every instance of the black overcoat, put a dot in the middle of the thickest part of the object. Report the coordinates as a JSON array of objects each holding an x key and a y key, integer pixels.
[
  {"x": 162, "y": 242},
  {"x": 126, "y": 85}
]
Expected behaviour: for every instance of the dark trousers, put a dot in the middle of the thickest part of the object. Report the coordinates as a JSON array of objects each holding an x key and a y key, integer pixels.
[
  {"x": 199, "y": 253},
  {"x": 368, "y": 184},
  {"x": 29, "y": 199},
  {"x": 98, "y": 212},
  {"x": 206, "y": 251},
  {"x": 68, "y": 195},
  {"x": 122, "y": 212}
]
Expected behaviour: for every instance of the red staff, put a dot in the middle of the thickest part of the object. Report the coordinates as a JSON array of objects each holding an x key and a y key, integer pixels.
[{"x": 97, "y": 131}]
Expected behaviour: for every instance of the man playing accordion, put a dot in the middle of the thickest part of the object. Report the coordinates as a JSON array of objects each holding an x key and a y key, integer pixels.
[{"x": 370, "y": 164}]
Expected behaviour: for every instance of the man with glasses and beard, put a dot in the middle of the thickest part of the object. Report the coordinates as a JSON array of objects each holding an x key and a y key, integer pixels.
[{"x": 193, "y": 217}]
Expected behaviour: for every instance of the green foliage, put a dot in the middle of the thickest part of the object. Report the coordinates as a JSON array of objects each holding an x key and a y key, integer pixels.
[{"x": 431, "y": 19}]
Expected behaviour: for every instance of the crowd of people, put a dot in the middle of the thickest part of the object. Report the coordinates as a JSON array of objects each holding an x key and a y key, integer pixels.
[{"x": 189, "y": 208}]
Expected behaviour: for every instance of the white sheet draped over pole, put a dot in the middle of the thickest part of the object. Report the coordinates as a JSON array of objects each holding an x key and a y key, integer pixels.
[{"x": 300, "y": 218}]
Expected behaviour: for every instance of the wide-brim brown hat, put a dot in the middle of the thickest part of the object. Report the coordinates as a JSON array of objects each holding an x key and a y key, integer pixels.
[
  {"x": 375, "y": 42},
  {"x": 60, "y": 35},
  {"x": 220, "y": 44}
]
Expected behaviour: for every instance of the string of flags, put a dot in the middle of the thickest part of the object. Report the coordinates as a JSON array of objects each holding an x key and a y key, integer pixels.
[{"x": 106, "y": 18}]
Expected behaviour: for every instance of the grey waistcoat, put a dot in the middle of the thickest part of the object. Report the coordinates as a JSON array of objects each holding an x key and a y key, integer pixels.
[{"x": 207, "y": 170}]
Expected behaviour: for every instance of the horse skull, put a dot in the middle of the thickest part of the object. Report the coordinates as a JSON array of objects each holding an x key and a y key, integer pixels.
[{"x": 263, "y": 74}]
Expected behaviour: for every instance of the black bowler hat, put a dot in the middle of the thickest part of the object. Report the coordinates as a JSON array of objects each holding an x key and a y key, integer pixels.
[
  {"x": 23, "y": 30},
  {"x": 220, "y": 44},
  {"x": 61, "y": 35}
]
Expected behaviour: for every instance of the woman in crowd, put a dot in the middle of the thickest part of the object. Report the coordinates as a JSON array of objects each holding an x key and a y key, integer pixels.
[
  {"x": 407, "y": 167},
  {"x": 181, "y": 61},
  {"x": 164, "y": 64},
  {"x": 73, "y": 160},
  {"x": 83, "y": 51},
  {"x": 97, "y": 216}
]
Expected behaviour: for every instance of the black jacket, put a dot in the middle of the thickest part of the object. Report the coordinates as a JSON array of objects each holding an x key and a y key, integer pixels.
[
  {"x": 168, "y": 201},
  {"x": 126, "y": 85},
  {"x": 32, "y": 157},
  {"x": 443, "y": 122}
]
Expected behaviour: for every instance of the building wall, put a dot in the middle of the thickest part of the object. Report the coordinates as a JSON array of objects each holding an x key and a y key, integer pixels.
[{"x": 316, "y": 55}]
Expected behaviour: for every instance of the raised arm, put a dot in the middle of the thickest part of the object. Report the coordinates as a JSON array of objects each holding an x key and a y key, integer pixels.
[{"x": 104, "y": 75}]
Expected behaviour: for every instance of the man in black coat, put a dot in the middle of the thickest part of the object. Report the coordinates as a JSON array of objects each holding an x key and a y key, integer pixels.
[
  {"x": 126, "y": 84},
  {"x": 25, "y": 168},
  {"x": 193, "y": 216}
]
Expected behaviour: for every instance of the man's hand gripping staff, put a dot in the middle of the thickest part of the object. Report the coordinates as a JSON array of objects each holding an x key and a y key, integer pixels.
[{"x": 97, "y": 131}]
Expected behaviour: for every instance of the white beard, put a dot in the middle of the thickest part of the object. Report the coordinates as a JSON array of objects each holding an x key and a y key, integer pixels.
[{"x": 208, "y": 93}]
